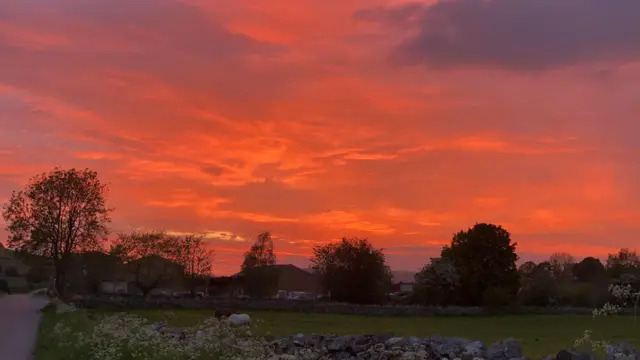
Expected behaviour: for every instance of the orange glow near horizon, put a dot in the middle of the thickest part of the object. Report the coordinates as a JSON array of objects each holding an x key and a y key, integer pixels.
[{"x": 318, "y": 120}]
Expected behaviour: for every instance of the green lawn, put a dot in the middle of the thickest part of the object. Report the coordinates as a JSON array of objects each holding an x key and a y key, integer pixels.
[{"x": 540, "y": 335}]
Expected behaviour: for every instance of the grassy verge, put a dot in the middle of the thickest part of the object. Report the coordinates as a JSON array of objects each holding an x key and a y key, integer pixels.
[{"x": 539, "y": 335}]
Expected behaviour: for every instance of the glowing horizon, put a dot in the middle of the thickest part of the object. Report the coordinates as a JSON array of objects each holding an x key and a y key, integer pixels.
[{"x": 402, "y": 122}]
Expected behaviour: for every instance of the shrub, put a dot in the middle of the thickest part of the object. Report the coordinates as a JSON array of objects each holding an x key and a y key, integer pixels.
[
  {"x": 496, "y": 297},
  {"x": 626, "y": 296},
  {"x": 436, "y": 283},
  {"x": 583, "y": 294},
  {"x": 541, "y": 289}
]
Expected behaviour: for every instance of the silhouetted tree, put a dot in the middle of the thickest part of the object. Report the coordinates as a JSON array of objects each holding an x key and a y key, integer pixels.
[
  {"x": 485, "y": 258},
  {"x": 261, "y": 253},
  {"x": 589, "y": 269},
  {"x": 260, "y": 280},
  {"x": 353, "y": 271},
  {"x": 541, "y": 287},
  {"x": 57, "y": 214},
  {"x": 197, "y": 259},
  {"x": 436, "y": 283},
  {"x": 626, "y": 261},
  {"x": 140, "y": 250},
  {"x": 525, "y": 271},
  {"x": 561, "y": 266}
]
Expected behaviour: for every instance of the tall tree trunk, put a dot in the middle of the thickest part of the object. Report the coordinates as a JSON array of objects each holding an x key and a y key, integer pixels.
[{"x": 192, "y": 285}]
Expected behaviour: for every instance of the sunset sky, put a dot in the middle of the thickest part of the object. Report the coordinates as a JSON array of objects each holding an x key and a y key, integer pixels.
[{"x": 399, "y": 121}]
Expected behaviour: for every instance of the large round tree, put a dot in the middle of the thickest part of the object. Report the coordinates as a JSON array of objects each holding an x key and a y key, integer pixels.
[
  {"x": 57, "y": 214},
  {"x": 485, "y": 259},
  {"x": 352, "y": 271}
]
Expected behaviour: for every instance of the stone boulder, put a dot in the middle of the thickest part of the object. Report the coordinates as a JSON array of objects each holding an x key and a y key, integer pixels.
[
  {"x": 505, "y": 350},
  {"x": 390, "y": 347},
  {"x": 575, "y": 355},
  {"x": 625, "y": 349}
]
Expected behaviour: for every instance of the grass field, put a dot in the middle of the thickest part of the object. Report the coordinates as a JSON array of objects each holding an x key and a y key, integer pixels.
[{"x": 540, "y": 335}]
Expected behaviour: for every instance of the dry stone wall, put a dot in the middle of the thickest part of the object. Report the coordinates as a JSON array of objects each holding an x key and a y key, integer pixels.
[{"x": 390, "y": 347}]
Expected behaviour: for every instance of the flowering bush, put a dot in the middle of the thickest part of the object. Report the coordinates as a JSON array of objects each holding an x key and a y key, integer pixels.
[
  {"x": 125, "y": 336},
  {"x": 625, "y": 296}
]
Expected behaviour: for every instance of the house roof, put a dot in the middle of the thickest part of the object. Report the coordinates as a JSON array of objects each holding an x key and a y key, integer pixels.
[{"x": 153, "y": 257}]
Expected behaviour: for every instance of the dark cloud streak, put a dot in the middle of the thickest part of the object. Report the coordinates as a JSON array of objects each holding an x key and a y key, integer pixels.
[{"x": 520, "y": 35}]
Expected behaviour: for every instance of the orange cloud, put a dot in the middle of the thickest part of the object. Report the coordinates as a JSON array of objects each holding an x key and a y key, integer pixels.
[
  {"x": 25, "y": 37},
  {"x": 268, "y": 115}
]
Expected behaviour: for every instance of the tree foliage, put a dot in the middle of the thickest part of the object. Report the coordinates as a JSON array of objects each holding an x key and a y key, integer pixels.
[
  {"x": 540, "y": 287},
  {"x": 352, "y": 270},
  {"x": 436, "y": 283},
  {"x": 561, "y": 264},
  {"x": 589, "y": 269},
  {"x": 138, "y": 244},
  {"x": 485, "y": 259},
  {"x": 195, "y": 257},
  {"x": 57, "y": 214},
  {"x": 140, "y": 251},
  {"x": 259, "y": 280},
  {"x": 626, "y": 261},
  {"x": 525, "y": 271},
  {"x": 260, "y": 254}
]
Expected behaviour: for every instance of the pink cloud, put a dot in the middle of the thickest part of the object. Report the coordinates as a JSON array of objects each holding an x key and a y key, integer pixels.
[{"x": 265, "y": 115}]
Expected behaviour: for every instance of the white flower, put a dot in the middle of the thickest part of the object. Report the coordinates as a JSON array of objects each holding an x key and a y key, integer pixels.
[
  {"x": 125, "y": 335},
  {"x": 626, "y": 296}
]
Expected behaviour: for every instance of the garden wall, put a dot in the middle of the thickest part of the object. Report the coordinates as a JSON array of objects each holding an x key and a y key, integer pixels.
[{"x": 118, "y": 303}]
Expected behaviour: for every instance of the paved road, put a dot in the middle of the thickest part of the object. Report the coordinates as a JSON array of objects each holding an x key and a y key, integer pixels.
[{"x": 19, "y": 319}]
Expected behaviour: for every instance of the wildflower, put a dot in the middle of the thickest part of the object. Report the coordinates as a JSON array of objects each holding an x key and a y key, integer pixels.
[
  {"x": 123, "y": 335},
  {"x": 625, "y": 295}
]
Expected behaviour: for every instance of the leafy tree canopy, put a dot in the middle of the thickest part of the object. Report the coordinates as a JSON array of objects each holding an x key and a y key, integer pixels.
[
  {"x": 259, "y": 280},
  {"x": 561, "y": 265},
  {"x": 485, "y": 258},
  {"x": 626, "y": 261},
  {"x": 589, "y": 269},
  {"x": 56, "y": 214},
  {"x": 138, "y": 249},
  {"x": 352, "y": 270},
  {"x": 526, "y": 271},
  {"x": 196, "y": 258},
  {"x": 436, "y": 283},
  {"x": 260, "y": 254}
]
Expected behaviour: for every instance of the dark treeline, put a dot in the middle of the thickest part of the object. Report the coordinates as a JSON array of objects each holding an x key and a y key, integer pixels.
[
  {"x": 478, "y": 268},
  {"x": 63, "y": 214},
  {"x": 58, "y": 225}
]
